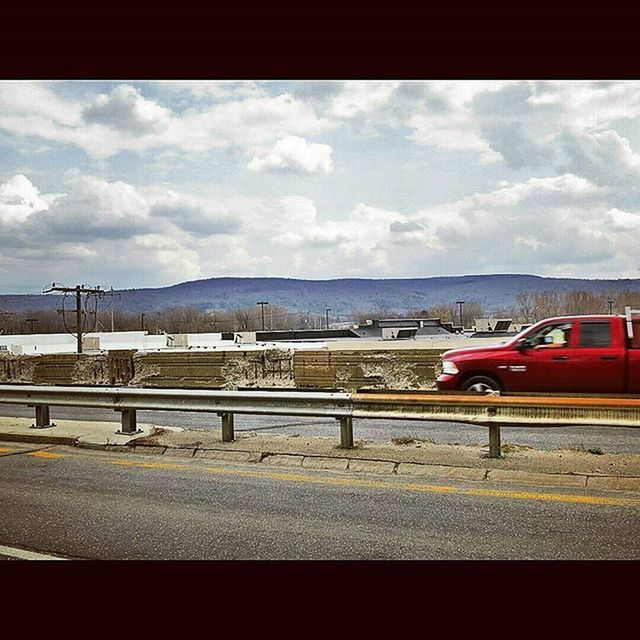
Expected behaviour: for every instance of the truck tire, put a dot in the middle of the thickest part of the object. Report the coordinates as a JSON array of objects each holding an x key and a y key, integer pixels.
[{"x": 481, "y": 384}]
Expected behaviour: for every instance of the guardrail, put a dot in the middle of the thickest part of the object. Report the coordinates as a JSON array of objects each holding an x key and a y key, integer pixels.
[
  {"x": 128, "y": 400},
  {"x": 490, "y": 410}
]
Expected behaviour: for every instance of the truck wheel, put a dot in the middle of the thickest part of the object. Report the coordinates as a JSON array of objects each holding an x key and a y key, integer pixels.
[{"x": 481, "y": 384}]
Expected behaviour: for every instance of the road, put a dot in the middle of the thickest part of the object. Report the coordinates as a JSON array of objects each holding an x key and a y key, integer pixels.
[
  {"x": 608, "y": 439},
  {"x": 78, "y": 503}
]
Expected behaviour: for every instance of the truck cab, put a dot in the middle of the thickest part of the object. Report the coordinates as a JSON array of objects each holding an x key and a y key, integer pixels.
[{"x": 569, "y": 354}]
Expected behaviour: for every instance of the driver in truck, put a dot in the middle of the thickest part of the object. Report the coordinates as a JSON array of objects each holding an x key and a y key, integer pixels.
[{"x": 553, "y": 337}]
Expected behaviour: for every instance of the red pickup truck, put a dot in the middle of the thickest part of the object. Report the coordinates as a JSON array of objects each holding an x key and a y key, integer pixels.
[{"x": 573, "y": 354}]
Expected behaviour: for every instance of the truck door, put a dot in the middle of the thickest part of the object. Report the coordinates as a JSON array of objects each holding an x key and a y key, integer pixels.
[
  {"x": 597, "y": 358},
  {"x": 545, "y": 364}
]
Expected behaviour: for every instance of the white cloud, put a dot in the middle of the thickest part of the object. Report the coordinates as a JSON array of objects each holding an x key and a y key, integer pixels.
[
  {"x": 125, "y": 109},
  {"x": 37, "y": 103},
  {"x": 96, "y": 208},
  {"x": 214, "y": 89},
  {"x": 451, "y": 124},
  {"x": 602, "y": 156},
  {"x": 358, "y": 244},
  {"x": 193, "y": 218},
  {"x": 156, "y": 241},
  {"x": 126, "y": 120},
  {"x": 623, "y": 220},
  {"x": 249, "y": 123},
  {"x": 514, "y": 121},
  {"x": 532, "y": 226},
  {"x": 585, "y": 104},
  {"x": 536, "y": 225},
  {"x": 359, "y": 97},
  {"x": 453, "y": 132},
  {"x": 566, "y": 200},
  {"x": 516, "y": 147},
  {"x": 19, "y": 198},
  {"x": 295, "y": 155},
  {"x": 76, "y": 252}
]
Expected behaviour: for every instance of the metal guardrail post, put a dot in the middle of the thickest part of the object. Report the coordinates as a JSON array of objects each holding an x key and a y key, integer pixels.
[
  {"x": 494, "y": 441},
  {"x": 43, "y": 421},
  {"x": 346, "y": 432},
  {"x": 228, "y": 434},
  {"x": 129, "y": 422}
]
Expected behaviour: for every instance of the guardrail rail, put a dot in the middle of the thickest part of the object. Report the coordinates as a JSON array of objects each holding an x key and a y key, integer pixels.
[{"x": 492, "y": 410}]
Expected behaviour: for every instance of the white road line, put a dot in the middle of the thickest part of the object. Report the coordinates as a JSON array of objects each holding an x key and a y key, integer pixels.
[{"x": 25, "y": 555}]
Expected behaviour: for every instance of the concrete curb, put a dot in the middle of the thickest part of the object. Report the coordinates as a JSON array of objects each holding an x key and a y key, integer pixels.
[
  {"x": 69, "y": 441},
  {"x": 353, "y": 465},
  {"x": 372, "y": 466},
  {"x": 229, "y": 456},
  {"x": 383, "y": 467}
]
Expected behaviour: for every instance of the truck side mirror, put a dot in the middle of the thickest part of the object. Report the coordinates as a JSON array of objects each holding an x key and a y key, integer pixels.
[{"x": 523, "y": 343}]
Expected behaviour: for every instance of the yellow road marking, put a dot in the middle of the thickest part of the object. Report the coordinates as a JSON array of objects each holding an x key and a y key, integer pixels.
[
  {"x": 379, "y": 484},
  {"x": 45, "y": 454}
]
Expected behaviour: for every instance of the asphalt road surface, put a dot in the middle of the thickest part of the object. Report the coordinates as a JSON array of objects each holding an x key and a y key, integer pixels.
[
  {"x": 62, "y": 501},
  {"x": 608, "y": 439}
]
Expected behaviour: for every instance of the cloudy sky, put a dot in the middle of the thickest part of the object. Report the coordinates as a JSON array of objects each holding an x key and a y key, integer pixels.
[{"x": 134, "y": 184}]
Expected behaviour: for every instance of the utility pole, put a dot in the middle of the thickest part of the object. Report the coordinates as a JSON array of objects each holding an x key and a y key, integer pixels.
[
  {"x": 460, "y": 303},
  {"x": 610, "y": 303},
  {"x": 326, "y": 312},
  {"x": 78, "y": 291},
  {"x": 31, "y": 321},
  {"x": 262, "y": 303},
  {"x": 5, "y": 316},
  {"x": 142, "y": 315}
]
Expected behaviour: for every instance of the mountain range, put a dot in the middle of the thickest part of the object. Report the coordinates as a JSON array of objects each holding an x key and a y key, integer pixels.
[{"x": 342, "y": 296}]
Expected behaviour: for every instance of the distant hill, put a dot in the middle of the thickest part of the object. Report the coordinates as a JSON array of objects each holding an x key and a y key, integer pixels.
[{"x": 341, "y": 296}]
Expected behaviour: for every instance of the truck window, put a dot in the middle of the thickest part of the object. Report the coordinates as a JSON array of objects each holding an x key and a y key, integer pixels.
[
  {"x": 595, "y": 334},
  {"x": 635, "y": 341},
  {"x": 551, "y": 335}
]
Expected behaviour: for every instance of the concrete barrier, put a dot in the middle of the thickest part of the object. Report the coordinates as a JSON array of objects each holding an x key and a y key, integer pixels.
[{"x": 348, "y": 369}]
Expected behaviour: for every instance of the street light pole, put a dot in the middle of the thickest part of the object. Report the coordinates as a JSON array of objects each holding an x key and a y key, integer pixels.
[
  {"x": 460, "y": 303},
  {"x": 610, "y": 302},
  {"x": 262, "y": 303},
  {"x": 326, "y": 312}
]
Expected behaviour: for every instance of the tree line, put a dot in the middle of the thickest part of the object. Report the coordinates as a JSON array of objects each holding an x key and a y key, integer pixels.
[
  {"x": 528, "y": 307},
  {"x": 173, "y": 320}
]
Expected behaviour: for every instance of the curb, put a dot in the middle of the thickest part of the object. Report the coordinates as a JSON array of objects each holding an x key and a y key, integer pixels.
[
  {"x": 353, "y": 465},
  {"x": 387, "y": 467},
  {"x": 38, "y": 439}
]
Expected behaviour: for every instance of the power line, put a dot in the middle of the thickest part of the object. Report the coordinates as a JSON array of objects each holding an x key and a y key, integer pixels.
[{"x": 78, "y": 291}]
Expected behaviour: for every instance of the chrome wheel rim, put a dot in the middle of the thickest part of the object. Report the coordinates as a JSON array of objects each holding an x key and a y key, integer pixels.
[{"x": 482, "y": 387}]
